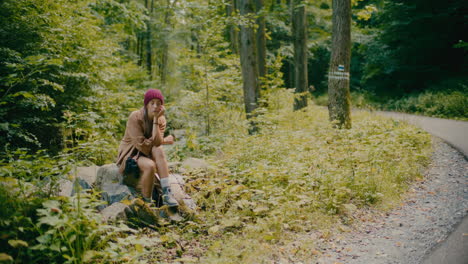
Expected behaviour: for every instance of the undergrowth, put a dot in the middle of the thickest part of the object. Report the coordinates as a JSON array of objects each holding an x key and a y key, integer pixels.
[
  {"x": 298, "y": 175},
  {"x": 36, "y": 226},
  {"x": 452, "y": 104},
  {"x": 260, "y": 193}
]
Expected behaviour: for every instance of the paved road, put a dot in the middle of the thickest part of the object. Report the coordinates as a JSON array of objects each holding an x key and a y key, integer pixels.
[{"x": 455, "y": 248}]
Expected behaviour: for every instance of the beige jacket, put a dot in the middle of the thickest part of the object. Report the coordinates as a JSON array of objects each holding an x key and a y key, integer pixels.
[{"x": 134, "y": 138}]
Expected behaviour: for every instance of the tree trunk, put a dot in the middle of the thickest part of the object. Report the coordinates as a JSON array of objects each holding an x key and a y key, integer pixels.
[
  {"x": 163, "y": 66},
  {"x": 140, "y": 42},
  {"x": 339, "y": 102},
  {"x": 249, "y": 66},
  {"x": 149, "y": 53},
  {"x": 299, "y": 28},
  {"x": 261, "y": 39},
  {"x": 165, "y": 45},
  {"x": 233, "y": 34}
]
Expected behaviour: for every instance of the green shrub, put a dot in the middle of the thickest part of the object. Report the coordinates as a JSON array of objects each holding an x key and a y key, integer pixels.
[
  {"x": 449, "y": 104},
  {"x": 65, "y": 230},
  {"x": 444, "y": 103}
]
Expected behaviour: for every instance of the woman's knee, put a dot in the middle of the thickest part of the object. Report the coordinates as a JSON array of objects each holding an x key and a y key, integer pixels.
[
  {"x": 147, "y": 165},
  {"x": 158, "y": 153}
]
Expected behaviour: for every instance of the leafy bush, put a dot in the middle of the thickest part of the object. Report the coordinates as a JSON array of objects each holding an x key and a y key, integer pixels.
[
  {"x": 64, "y": 74},
  {"x": 71, "y": 231},
  {"x": 17, "y": 227},
  {"x": 451, "y": 104},
  {"x": 35, "y": 227},
  {"x": 64, "y": 230},
  {"x": 438, "y": 102}
]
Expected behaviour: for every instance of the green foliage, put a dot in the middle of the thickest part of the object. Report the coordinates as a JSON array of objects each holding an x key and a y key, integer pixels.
[
  {"x": 299, "y": 175},
  {"x": 71, "y": 231},
  {"x": 19, "y": 164},
  {"x": 445, "y": 104},
  {"x": 209, "y": 100},
  {"x": 60, "y": 63},
  {"x": 444, "y": 101},
  {"x": 69, "y": 79},
  {"x": 64, "y": 230},
  {"x": 413, "y": 48},
  {"x": 17, "y": 228}
]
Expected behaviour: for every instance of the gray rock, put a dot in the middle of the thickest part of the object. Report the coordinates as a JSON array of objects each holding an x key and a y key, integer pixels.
[
  {"x": 117, "y": 211},
  {"x": 115, "y": 192},
  {"x": 68, "y": 188},
  {"x": 65, "y": 187},
  {"x": 83, "y": 184},
  {"x": 189, "y": 203},
  {"x": 177, "y": 183},
  {"x": 177, "y": 178},
  {"x": 88, "y": 174},
  {"x": 194, "y": 163},
  {"x": 107, "y": 174}
]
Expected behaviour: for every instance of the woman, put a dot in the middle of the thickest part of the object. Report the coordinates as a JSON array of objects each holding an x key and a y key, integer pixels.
[{"x": 143, "y": 138}]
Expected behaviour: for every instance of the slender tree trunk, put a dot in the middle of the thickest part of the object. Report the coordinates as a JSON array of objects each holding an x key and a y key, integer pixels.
[
  {"x": 299, "y": 28},
  {"x": 140, "y": 43},
  {"x": 138, "y": 47},
  {"x": 249, "y": 66},
  {"x": 165, "y": 46},
  {"x": 291, "y": 74},
  {"x": 207, "y": 102},
  {"x": 149, "y": 53},
  {"x": 233, "y": 33},
  {"x": 339, "y": 102},
  {"x": 261, "y": 39}
]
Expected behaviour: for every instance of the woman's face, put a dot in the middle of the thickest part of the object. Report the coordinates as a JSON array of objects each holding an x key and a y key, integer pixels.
[{"x": 153, "y": 107}]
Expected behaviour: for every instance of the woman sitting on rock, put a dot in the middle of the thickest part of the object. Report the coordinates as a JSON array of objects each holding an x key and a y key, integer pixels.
[{"x": 143, "y": 138}]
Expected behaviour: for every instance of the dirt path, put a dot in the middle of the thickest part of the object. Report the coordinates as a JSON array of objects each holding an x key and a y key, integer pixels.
[{"x": 417, "y": 231}]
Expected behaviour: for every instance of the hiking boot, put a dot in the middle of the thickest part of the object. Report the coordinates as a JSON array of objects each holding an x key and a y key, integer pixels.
[{"x": 168, "y": 198}]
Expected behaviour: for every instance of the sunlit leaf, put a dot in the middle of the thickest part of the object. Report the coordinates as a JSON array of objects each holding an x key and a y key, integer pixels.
[{"x": 18, "y": 243}]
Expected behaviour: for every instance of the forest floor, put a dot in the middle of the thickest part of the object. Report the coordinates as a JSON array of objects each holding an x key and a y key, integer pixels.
[
  {"x": 407, "y": 234},
  {"x": 408, "y": 231}
]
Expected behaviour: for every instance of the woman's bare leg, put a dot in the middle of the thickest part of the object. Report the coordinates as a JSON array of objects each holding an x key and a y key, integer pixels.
[
  {"x": 161, "y": 162},
  {"x": 146, "y": 181}
]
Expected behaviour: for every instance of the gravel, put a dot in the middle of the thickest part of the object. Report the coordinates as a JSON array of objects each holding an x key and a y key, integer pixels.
[{"x": 430, "y": 211}]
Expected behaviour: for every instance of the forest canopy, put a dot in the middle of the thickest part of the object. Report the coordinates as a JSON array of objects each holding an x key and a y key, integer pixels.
[{"x": 70, "y": 70}]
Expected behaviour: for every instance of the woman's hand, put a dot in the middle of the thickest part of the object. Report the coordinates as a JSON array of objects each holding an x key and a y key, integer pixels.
[
  {"x": 161, "y": 111},
  {"x": 169, "y": 140},
  {"x": 158, "y": 114}
]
